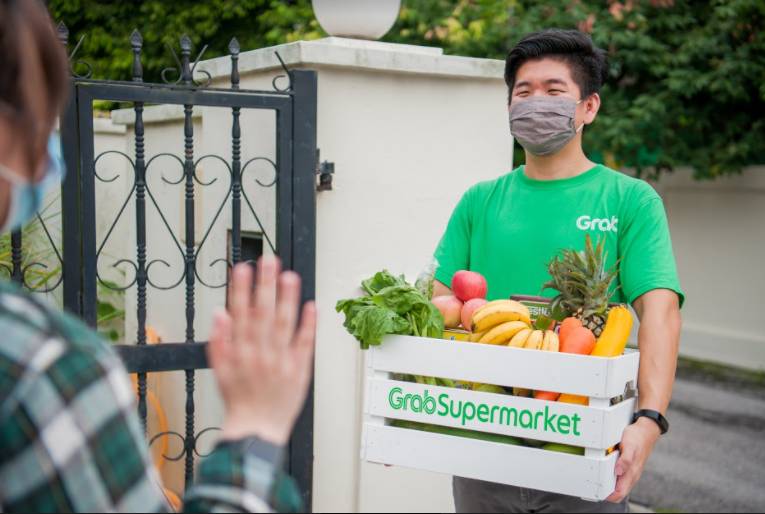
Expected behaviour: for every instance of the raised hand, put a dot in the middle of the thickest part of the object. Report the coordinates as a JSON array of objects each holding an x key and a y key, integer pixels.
[{"x": 261, "y": 357}]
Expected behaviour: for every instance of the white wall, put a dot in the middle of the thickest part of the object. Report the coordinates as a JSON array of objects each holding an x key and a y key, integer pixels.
[
  {"x": 718, "y": 233},
  {"x": 405, "y": 149}
]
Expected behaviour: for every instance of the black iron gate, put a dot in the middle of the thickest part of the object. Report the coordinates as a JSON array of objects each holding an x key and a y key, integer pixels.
[{"x": 294, "y": 164}]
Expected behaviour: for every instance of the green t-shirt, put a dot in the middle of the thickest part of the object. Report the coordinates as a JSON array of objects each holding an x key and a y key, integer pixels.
[{"x": 510, "y": 228}]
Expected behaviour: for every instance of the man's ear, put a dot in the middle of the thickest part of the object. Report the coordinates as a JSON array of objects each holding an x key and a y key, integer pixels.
[{"x": 591, "y": 108}]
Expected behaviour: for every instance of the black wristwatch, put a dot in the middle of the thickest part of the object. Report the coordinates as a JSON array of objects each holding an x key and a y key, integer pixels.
[{"x": 655, "y": 416}]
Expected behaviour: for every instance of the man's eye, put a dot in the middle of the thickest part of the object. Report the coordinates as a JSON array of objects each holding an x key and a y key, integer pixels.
[{"x": 555, "y": 91}]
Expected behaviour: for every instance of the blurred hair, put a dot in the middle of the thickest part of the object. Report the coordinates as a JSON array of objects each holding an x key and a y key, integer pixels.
[
  {"x": 28, "y": 38},
  {"x": 588, "y": 63}
]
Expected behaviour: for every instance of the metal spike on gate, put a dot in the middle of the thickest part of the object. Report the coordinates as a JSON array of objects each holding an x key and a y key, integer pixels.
[
  {"x": 233, "y": 48},
  {"x": 185, "y": 59},
  {"x": 63, "y": 33},
  {"x": 136, "y": 41}
]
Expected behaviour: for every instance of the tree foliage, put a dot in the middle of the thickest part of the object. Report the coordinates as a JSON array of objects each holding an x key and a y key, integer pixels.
[
  {"x": 687, "y": 77},
  {"x": 107, "y": 27}
]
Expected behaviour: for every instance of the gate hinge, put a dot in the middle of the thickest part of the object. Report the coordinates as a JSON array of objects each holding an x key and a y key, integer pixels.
[{"x": 325, "y": 171}]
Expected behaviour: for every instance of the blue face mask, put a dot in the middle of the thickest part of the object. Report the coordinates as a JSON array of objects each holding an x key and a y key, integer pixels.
[{"x": 26, "y": 198}]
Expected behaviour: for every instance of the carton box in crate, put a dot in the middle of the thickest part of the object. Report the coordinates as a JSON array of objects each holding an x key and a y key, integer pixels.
[{"x": 597, "y": 427}]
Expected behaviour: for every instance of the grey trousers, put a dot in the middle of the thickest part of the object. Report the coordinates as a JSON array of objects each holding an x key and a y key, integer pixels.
[{"x": 478, "y": 496}]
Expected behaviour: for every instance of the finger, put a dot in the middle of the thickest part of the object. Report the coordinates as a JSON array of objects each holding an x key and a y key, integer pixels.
[
  {"x": 305, "y": 338},
  {"x": 264, "y": 305},
  {"x": 624, "y": 463},
  {"x": 624, "y": 485},
  {"x": 219, "y": 346},
  {"x": 287, "y": 306},
  {"x": 239, "y": 303},
  {"x": 618, "y": 495}
]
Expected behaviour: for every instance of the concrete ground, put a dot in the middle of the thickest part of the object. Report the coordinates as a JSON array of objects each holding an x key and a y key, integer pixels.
[{"x": 713, "y": 458}]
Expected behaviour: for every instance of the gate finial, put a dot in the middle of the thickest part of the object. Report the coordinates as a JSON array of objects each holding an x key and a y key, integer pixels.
[
  {"x": 233, "y": 48},
  {"x": 186, "y": 59},
  {"x": 136, "y": 41},
  {"x": 63, "y": 33}
]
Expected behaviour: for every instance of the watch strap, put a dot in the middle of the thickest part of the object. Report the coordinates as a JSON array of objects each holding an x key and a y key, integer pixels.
[{"x": 656, "y": 416}]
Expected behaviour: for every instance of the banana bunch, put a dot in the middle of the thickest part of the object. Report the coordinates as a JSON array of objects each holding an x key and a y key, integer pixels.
[
  {"x": 508, "y": 322},
  {"x": 497, "y": 312},
  {"x": 546, "y": 340},
  {"x": 498, "y": 321}
]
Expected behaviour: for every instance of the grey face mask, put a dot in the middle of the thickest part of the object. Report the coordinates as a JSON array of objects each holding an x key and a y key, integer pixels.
[{"x": 543, "y": 125}]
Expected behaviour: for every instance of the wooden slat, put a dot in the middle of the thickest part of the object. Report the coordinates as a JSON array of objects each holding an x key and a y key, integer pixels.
[
  {"x": 598, "y": 428},
  {"x": 588, "y": 478},
  {"x": 512, "y": 367}
]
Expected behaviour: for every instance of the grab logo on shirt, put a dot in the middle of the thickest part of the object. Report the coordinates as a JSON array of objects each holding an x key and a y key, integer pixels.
[{"x": 600, "y": 224}]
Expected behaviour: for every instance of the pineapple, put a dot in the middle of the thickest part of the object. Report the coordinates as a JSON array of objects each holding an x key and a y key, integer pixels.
[{"x": 583, "y": 283}]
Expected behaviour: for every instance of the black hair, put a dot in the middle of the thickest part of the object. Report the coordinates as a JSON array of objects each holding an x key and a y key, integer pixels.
[
  {"x": 27, "y": 38},
  {"x": 588, "y": 63}
]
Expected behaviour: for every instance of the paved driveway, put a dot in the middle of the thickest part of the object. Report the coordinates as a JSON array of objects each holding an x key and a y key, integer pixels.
[{"x": 713, "y": 459}]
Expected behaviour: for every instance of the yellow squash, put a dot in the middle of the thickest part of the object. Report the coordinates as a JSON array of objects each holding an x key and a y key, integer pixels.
[{"x": 613, "y": 340}]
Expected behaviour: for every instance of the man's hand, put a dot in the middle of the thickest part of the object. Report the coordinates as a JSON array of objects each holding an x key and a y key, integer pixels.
[
  {"x": 637, "y": 444},
  {"x": 262, "y": 360}
]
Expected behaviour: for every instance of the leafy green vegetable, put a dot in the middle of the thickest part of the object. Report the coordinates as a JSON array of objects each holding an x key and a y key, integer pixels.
[
  {"x": 380, "y": 281},
  {"x": 391, "y": 306}
]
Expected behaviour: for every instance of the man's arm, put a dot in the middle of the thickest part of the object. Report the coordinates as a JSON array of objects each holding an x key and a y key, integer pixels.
[
  {"x": 440, "y": 289},
  {"x": 658, "y": 341}
]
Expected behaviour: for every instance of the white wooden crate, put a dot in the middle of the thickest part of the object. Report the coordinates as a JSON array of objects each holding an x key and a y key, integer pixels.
[{"x": 596, "y": 427}]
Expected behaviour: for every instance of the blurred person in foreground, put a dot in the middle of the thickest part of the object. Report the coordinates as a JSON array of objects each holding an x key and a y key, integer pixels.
[{"x": 70, "y": 439}]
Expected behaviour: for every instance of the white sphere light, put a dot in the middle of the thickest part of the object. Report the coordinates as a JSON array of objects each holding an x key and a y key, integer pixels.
[{"x": 365, "y": 19}]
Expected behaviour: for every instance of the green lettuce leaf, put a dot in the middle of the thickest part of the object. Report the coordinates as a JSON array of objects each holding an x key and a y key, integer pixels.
[{"x": 390, "y": 306}]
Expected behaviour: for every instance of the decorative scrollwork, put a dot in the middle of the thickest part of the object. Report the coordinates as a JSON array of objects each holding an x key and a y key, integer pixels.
[
  {"x": 20, "y": 270},
  {"x": 166, "y": 225},
  {"x": 185, "y": 446},
  {"x": 172, "y": 69},
  {"x": 154, "y": 284},
  {"x": 63, "y": 36},
  {"x": 74, "y": 62},
  {"x": 198, "y": 436},
  {"x": 180, "y": 161},
  {"x": 34, "y": 288},
  {"x": 247, "y": 200},
  {"x": 108, "y": 152},
  {"x": 215, "y": 218},
  {"x": 107, "y": 284},
  {"x": 208, "y": 79},
  {"x": 288, "y": 76},
  {"x": 167, "y": 434},
  {"x": 117, "y": 264},
  {"x": 178, "y": 68},
  {"x": 205, "y": 157},
  {"x": 269, "y": 161}
]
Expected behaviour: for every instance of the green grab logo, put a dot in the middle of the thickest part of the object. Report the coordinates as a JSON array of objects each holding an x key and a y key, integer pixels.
[{"x": 466, "y": 411}]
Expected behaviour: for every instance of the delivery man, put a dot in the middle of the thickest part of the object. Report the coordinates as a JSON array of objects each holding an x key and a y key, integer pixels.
[{"x": 508, "y": 229}]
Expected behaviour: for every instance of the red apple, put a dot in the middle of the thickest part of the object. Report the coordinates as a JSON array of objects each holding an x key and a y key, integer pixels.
[
  {"x": 451, "y": 310},
  {"x": 467, "y": 285},
  {"x": 468, "y": 309}
]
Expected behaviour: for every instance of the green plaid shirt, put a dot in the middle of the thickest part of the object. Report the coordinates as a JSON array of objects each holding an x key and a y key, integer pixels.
[{"x": 70, "y": 439}]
